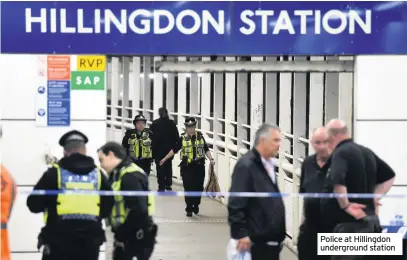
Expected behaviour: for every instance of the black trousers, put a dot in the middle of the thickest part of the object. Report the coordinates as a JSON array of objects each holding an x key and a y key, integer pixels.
[
  {"x": 193, "y": 177},
  {"x": 120, "y": 253},
  {"x": 164, "y": 174},
  {"x": 144, "y": 164},
  {"x": 308, "y": 242},
  {"x": 61, "y": 252},
  {"x": 265, "y": 252}
]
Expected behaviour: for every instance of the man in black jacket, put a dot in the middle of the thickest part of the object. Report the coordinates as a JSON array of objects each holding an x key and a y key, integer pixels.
[
  {"x": 131, "y": 221},
  {"x": 353, "y": 169},
  {"x": 165, "y": 137},
  {"x": 73, "y": 228},
  {"x": 313, "y": 174},
  {"x": 258, "y": 224}
]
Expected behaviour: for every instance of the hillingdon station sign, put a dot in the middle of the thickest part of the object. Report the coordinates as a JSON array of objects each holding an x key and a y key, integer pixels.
[{"x": 204, "y": 28}]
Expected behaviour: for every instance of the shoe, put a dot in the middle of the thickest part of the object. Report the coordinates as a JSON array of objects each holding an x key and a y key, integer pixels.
[
  {"x": 161, "y": 190},
  {"x": 196, "y": 209},
  {"x": 189, "y": 214},
  {"x": 168, "y": 188}
]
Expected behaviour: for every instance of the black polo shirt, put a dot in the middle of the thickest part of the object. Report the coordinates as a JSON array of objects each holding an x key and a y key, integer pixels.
[
  {"x": 360, "y": 170},
  {"x": 312, "y": 181}
]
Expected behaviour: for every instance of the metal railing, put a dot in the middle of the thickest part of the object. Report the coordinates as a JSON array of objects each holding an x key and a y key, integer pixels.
[{"x": 288, "y": 176}]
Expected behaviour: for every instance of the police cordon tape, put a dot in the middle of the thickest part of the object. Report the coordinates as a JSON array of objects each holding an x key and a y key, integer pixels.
[{"x": 211, "y": 194}]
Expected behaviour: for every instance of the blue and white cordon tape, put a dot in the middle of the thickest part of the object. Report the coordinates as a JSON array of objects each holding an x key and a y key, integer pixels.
[{"x": 211, "y": 194}]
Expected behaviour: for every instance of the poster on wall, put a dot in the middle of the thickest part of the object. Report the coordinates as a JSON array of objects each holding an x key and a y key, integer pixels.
[
  {"x": 89, "y": 74},
  {"x": 53, "y": 102},
  {"x": 61, "y": 79}
]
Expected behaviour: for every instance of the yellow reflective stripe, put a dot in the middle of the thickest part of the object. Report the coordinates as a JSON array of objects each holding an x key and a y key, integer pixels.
[
  {"x": 187, "y": 149},
  {"x": 146, "y": 149},
  {"x": 132, "y": 168},
  {"x": 200, "y": 153},
  {"x": 59, "y": 175},
  {"x": 56, "y": 166},
  {"x": 80, "y": 204},
  {"x": 59, "y": 184},
  {"x": 137, "y": 144},
  {"x": 134, "y": 147},
  {"x": 119, "y": 211},
  {"x": 45, "y": 216},
  {"x": 99, "y": 178},
  {"x": 151, "y": 205}
]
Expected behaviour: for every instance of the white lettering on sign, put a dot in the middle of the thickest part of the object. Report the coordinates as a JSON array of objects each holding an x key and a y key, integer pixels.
[
  {"x": 360, "y": 244},
  {"x": 87, "y": 80},
  {"x": 142, "y": 21},
  {"x": 347, "y": 21}
]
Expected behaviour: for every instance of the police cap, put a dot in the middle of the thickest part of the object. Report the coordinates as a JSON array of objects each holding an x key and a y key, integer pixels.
[
  {"x": 73, "y": 135},
  {"x": 190, "y": 121},
  {"x": 139, "y": 118}
]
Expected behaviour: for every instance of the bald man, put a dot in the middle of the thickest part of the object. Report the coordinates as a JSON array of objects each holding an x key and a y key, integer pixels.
[
  {"x": 353, "y": 169},
  {"x": 313, "y": 174}
]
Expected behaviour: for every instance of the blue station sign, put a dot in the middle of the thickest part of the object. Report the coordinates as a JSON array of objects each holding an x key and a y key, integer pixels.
[{"x": 204, "y": 28}]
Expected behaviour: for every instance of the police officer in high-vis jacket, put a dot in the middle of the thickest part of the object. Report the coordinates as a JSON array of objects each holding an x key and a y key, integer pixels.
[
  {"x": 131, "y": 218},
  {"x": 138, "y": 143},
  {"x": 193, "y": 150},
  {"x": 73, "y": 222}
]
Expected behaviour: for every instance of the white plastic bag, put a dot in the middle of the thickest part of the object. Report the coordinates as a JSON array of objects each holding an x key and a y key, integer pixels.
[{"x": 233, "y": 254}]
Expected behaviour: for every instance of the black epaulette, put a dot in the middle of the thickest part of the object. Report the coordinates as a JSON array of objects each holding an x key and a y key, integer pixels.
[
  {"x": 199, "y": 135},
  {"x": 129, "y": 131},
  {"x": 147, "y": 130}
]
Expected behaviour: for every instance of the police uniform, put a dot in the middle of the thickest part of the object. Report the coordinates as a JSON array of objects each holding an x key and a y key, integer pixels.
[
  {"x": 139, "y": 145},
  {"x": 73, "y": 227},
  {"x": 192, "y": 154},
  {"x": 131, "y": 217}
]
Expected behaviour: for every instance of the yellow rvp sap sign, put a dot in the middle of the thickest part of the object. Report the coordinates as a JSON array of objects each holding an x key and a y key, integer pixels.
[{"x": 91, "y": 63}]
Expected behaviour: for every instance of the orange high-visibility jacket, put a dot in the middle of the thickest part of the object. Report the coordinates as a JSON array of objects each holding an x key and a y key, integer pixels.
[{"x": 8, "y": 196}]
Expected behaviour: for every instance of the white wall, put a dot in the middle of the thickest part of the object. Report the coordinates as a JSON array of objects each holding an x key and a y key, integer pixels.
[
  {"x": 24, "y": 145},
  {"x": 381, "y": 118}
]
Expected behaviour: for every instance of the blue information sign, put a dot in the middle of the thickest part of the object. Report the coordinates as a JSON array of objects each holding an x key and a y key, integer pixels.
[
  {"x": 204, "y": 28},
  {"x": 59, "y": 102}
]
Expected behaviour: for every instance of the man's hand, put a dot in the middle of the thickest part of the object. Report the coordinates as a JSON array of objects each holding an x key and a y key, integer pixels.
[
  {"x": 243, "y": 244},
  {"x": 356, "y": 210},
  {"x": 162, "y": 162},
  {"x": 212, "y": 162}
]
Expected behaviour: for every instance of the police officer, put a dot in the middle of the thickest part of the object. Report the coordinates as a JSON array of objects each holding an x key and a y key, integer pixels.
[
  {"x": 193, "y": 150},
  {"x": 131, "y": 221},
  {"x": 73, "y": 223},
  {"x": 138, "y": 143}
]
